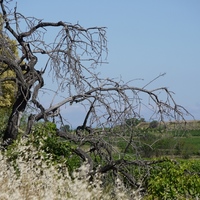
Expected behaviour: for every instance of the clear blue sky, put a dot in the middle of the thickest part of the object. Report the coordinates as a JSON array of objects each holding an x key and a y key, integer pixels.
[{"x": 145, "y": 38}]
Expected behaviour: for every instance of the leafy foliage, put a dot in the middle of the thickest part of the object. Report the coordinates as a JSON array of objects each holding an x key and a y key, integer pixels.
[
  {"x": 172, "y": 180},
  {"x": 153, "y": 124},
  {"x": 134, "y": 121},
  {"x": 166, "y": 180},
  {"x": 48, "y": 147},
  {"x": 7, "y": 85},
  {"x": 65, "y": 128},
  {"x": 4, "y": 116}
]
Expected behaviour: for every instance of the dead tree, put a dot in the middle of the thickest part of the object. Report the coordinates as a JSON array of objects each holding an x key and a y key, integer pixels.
[{"x": 72, "y": 57}]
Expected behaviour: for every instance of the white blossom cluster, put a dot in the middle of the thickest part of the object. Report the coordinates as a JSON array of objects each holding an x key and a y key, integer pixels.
[{"x": 39, "y": 180}]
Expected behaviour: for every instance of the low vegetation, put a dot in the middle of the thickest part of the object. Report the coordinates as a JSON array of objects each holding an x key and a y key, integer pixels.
[
  {"x": 41, "y": 166},
  {"x": 30, "y": 161}
]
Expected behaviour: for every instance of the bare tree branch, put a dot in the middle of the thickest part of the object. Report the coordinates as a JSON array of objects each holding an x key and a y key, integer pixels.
[{"x": 72, "y": 57}]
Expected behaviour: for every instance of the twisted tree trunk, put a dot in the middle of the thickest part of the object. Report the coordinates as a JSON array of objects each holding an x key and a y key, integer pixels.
[
  {"x": 18, "y": 108},
  {"x": 23, "y": 96}
]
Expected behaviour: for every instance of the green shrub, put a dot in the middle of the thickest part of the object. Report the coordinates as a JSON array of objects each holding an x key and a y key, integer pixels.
[
  {"x": 153, "y": 124},
  {"x": 134, "y": 121},
  {"x": 4, "y": 116},
  {"x": 48, "y": 146},
  {"x": 172, "y": 180}
]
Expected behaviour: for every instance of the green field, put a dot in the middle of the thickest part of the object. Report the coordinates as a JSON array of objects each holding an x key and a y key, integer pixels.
[{"x": 171, "y": 139}]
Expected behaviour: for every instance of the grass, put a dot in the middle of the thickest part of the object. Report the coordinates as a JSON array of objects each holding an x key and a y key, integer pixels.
[
  {"x": 192, "y": 143},
  {"x": 177, "y": 139}
]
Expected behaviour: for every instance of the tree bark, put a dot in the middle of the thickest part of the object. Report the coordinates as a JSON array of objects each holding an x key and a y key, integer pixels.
[{"x": 18, "y": 108}]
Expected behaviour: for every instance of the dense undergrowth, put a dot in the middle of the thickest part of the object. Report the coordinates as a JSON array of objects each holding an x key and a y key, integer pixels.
[
  {"x": 174, "y": 180},
  {"x": 43, "y": 166}
]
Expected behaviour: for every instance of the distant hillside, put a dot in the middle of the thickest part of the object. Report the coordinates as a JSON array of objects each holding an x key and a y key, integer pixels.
[{"x": 189, "y": 125}]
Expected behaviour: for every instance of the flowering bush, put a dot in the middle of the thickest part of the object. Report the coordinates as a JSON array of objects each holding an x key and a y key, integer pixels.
[{"x": 28, "y": 171}]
